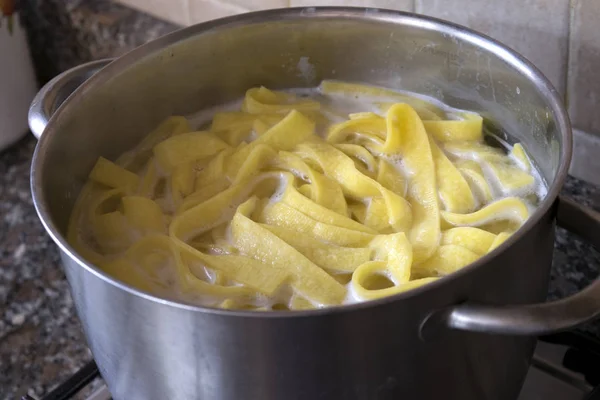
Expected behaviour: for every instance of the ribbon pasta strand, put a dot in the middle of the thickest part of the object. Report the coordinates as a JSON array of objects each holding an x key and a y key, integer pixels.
[{"x": 276, "y": 207}]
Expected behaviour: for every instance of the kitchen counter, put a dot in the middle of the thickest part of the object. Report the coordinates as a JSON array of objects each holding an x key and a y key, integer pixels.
[{"x": 41, "y": 342}]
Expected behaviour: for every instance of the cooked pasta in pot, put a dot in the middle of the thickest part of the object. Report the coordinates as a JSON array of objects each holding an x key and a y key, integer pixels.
[{"x": 304, "y": 199}]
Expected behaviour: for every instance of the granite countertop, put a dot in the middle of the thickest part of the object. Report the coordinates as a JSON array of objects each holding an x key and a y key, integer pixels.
[
  {"x": 41, "y": 342},
  {"x": 40, "y": 338}
]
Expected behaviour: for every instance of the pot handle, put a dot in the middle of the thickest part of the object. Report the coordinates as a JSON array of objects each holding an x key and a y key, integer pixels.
[
  {"x": 56, "y": 91},
  {"x": 531, "y": 319}
]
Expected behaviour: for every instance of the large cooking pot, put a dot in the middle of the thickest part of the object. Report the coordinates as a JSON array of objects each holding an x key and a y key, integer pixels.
[{"x": 467, "y": 336}]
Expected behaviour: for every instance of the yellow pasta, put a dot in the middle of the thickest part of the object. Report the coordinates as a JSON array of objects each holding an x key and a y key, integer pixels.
[
  {"x": 113, "y": 176},
  {"x": 187, "y": 147},
  {"x": 283, "y": 206}
]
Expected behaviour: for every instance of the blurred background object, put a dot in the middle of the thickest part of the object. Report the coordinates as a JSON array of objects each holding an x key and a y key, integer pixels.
[{"x": 17, "y": 81}]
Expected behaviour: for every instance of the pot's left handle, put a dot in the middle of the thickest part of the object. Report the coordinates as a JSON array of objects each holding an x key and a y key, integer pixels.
[
  {"x": 56, "y": 91},
  {"x": 531, "y": 319}
]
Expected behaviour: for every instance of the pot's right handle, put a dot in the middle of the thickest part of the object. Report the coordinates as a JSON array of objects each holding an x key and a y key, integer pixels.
[
  {"x": 531, "y": 319},
  {"x": 56, "y": 91}
]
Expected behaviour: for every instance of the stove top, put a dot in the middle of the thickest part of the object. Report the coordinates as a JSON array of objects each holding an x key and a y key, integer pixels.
[{"x": 565, "y": 366}]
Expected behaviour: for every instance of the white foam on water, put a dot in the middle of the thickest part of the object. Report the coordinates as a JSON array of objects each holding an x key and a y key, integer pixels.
[{"x": 336, "y": 108}]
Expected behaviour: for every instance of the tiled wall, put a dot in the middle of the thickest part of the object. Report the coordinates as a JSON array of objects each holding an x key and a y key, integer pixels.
[{"x": 561, "y": 37}]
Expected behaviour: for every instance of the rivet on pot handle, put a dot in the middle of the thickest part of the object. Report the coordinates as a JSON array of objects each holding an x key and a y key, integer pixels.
[
  {"x": 56, "y": 91},
  {"x": 532, "y": 319}
]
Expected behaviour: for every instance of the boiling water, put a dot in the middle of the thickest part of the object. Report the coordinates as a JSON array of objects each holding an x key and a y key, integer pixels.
[{"x": 337, "y": 107}]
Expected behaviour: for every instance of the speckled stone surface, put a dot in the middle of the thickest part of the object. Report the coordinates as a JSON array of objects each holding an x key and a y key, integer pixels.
[
  {"x": 40, "y": 338},
  {"x": 41, "y": 342}
]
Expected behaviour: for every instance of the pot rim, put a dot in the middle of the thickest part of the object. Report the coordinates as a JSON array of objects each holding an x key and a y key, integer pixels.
[{"x": 510, "y": 56}]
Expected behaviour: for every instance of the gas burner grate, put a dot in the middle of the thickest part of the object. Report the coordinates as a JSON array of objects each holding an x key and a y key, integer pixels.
[{"x": 73, "y": 385}]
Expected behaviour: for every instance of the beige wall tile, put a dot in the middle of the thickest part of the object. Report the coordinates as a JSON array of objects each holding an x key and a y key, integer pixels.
[
  {"x": 404, "y": 5},
  {"x": 538, "y": 29},
  {"x": 585, "y": 163},
  {"x": 186, "y": 12},
  {"x": 171, "y": 10},
  {"x": 205, "y": 10},
  {"x": 584, "y": 66},
  {"x": 258, "y": 4}
]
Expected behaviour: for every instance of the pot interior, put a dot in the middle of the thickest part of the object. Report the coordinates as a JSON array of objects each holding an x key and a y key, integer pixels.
[{"x": 216, "y": 62}]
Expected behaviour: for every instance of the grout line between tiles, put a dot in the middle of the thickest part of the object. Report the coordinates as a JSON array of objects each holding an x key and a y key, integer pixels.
[
  {"x": 416, "y": 7},
  {"x": 188, "y": 12},
  {"x": 570, "y": 54}
]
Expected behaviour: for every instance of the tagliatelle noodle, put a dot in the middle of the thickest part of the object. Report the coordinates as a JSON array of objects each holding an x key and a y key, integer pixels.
[{"x": 274, "y": 207}]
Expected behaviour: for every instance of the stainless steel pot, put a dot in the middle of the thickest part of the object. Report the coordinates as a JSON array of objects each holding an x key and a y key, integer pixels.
[{"x": 424, "y": 344}]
